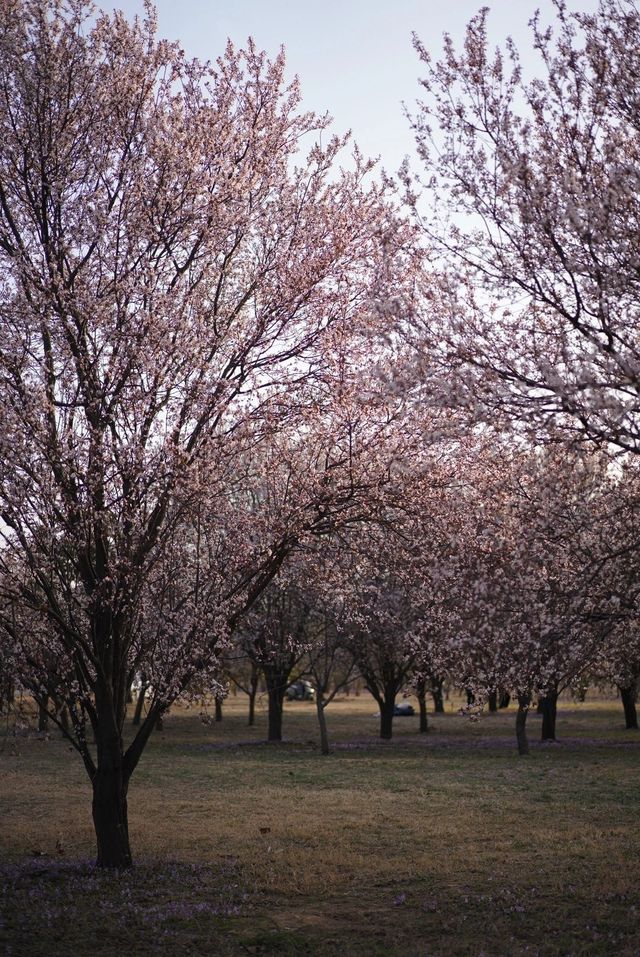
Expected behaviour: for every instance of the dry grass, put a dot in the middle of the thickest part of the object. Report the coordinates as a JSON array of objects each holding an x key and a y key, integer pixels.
[{"x": 444, "y": 844}]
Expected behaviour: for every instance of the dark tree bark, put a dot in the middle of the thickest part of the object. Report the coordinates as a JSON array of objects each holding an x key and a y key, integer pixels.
[
  {"x": 521, "y": 723},
  {"x": 629, "y": 693},
  {"x": 7, "y": 693},
  {"x": 110, "y": 785},
  {"x": 253, "y": 691},
  {"x": 436, "y": 693},
  {"x": 65, "y": 721},
  {"x": 505, "y": 699},
  {"x": 471, "y": 698},
  {"x": 385, "y": 695},
  {"x": 493, "y": 701},
  {"x": 43, "y": 716},
  {"x": 110, "y": 779},
  {"x": 421, "y": 695},
  {"x": 387, "y": 705},
  {"x": 218, "y": 709},
  {"x": 277, "y": 682},
  {"x": 549, "y": 710}
]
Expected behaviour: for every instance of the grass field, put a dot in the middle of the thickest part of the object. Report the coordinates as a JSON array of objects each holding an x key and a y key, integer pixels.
[{"x": 438, "y": 844}]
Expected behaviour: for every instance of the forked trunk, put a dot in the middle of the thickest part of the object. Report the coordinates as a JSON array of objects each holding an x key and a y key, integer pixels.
[
  {"x": 521, "y": 724},
  {"x": 628, "y": 695}
]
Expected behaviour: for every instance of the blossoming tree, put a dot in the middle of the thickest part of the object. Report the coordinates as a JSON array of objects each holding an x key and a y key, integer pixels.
[{"x": 170, "y": 274}]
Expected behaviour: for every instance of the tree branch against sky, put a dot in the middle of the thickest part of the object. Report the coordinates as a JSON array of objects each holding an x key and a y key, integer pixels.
[
  {"x": 536, "y": 183},
  {"x": 360, "y": 73}
]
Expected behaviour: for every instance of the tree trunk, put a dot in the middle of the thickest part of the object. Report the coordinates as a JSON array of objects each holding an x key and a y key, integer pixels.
[
  {"x": 137, "y": 715},
  {"x": 628, "y": 695},
  {"x": 253, "y": 690},
  {"x": 7, "y": 694},
  {"x": 521, "y": 724},
  {"x": 322, "y": 722},
  {"x": 436, "y": 693},
  {"x": 218, "y": 709},
  {"x": 493, "y": 701},
  {"x": 43, "y": 717},
  {"x": 471, "y": 698},
  {"x": 65, "y": 720},
  {"x": 422, "y": 705},
  {"x": 505, "y": 698},
  {"x": 274, "y": 731},
  {"x": 386, "y": 717},
  {"x": 549, "y": 708},
  {"x": 110, "y": 785},
  {"x": 277, "y": 681}
]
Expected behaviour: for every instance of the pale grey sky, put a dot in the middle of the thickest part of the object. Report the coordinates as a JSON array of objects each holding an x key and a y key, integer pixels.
[{"x": 354, "y": 57}]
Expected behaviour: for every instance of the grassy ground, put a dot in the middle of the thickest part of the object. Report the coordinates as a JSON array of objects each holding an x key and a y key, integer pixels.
[{"x": 445, "y": 844}]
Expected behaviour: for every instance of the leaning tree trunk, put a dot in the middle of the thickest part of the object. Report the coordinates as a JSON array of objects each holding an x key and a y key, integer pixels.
[
  {"x": 110, "y": 785},
  {"x": 65, "y": 720},
  {"x": 628, "y": 695},
  {"x": 521, "y": 723},
  {"x": 549, "y": 710}
]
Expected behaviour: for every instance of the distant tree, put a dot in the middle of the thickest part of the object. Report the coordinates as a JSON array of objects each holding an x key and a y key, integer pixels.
[{"x": 274, "y": 638}]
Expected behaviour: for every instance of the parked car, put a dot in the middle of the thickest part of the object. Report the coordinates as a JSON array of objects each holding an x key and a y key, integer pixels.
[
  {"x": 403, "y": 710},
  {"x": 300, "y": 691}
]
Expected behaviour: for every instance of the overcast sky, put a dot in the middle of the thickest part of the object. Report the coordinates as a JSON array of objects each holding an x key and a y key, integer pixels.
[{"x": 354, "y": 57}]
